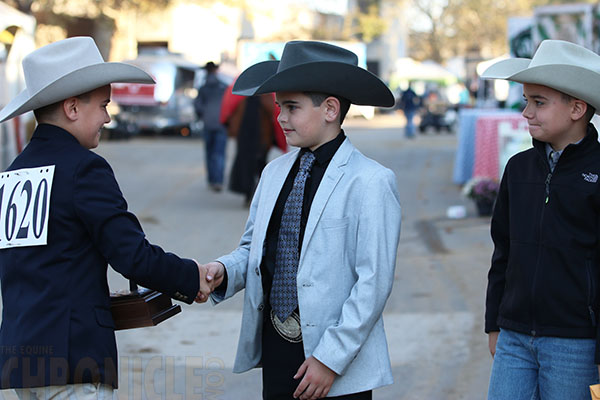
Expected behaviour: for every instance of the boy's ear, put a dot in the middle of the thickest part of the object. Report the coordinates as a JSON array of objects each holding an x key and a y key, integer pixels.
[
  {"x": 578, "y": 109},
  {"x": 71, "y": 108},
  {"x": 332, "y": 109}
]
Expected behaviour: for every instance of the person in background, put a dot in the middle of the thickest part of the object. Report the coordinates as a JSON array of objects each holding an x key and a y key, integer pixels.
[
  {"x": 208, "y": 107},
  {"x": 253, "y": 122},
  {"x": 409, "y": 103}
]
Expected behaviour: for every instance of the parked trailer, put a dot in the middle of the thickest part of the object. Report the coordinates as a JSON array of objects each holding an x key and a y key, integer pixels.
[{"x": 165, "y": 107}]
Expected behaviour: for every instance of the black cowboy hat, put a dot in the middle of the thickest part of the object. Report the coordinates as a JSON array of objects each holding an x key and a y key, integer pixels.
[{"x": 308, "y": 66}]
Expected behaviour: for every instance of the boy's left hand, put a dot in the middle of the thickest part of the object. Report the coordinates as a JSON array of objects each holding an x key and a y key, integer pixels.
[{"x": 316, "y": 382}]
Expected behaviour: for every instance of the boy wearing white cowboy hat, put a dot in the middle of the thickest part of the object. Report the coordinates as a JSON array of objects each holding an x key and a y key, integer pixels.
[
  {"x": 318, "y": 255},
  {"x": 57, "y": 335},
  {"x": 543, "y": 289}
]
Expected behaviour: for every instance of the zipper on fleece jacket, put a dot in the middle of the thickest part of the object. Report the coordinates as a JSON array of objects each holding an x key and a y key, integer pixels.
[
  {"x": 548, "y": 187},
  {"x": 537, "y": 264},
  {"x": 591, "y": 290}
]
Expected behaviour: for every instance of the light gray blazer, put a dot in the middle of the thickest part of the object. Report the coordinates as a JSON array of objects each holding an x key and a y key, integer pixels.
[{"x": 345, "y": 273}]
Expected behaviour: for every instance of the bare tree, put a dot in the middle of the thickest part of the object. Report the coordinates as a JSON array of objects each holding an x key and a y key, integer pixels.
[{"x": 455, "y": 27}]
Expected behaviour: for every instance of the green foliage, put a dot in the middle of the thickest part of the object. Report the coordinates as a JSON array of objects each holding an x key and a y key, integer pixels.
[
  {"x": 26, "y": 6},
  {"x": 370, "y": 24},
  {"x": 364, "y": 22}
]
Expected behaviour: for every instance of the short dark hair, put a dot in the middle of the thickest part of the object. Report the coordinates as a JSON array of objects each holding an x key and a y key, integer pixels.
[
  {"x": 589, "y": 114},
  {"x": 318, "y": 98},
  {"x": 44, "y": 113},
  {"x": 211, "y": 67},
  {"x": 47, "y": 112}
]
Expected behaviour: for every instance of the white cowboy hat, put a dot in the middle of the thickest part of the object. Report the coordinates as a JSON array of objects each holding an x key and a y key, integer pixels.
[
  {"x": 559, "y": 65},
  {"x": 67, "y": 68}
]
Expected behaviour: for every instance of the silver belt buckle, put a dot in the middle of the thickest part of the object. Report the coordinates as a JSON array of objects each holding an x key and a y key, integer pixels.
[{"x": 289, "y": 329}]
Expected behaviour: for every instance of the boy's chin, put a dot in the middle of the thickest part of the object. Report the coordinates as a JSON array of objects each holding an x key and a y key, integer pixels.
[
  {"x": 536, "y": 134},
  {"x": 291, "y": 142}
]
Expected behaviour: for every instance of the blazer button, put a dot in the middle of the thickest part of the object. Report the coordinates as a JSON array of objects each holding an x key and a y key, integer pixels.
[
  {"x": 261, "y": 307},
  {"x": 257, "y": 271}
]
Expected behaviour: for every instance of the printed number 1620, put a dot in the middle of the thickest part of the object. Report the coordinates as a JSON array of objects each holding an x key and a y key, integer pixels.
[{"x": 25, "y": 206}]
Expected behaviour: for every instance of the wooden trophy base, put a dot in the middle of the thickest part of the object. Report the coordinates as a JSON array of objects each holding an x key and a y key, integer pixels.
[{"x": 140, "y": 308}]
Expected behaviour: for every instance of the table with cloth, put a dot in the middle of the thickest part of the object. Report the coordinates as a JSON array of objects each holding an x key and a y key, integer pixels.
[
  {"x": 497, "y": 138},
  {"x": 484, "y": 158}
]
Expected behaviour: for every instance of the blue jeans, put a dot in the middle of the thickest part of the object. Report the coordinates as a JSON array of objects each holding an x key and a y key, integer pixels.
[
  {"x": 215, "y": 141},
  {"x": 549, "y": 368},
  {"x": 409, "y": 130}
]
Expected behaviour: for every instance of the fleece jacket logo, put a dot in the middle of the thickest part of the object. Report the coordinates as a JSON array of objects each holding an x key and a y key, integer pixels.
[{"x": 589, "y": 177}]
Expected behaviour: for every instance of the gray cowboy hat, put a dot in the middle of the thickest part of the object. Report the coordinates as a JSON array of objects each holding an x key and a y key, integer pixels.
[
  {"x": 308, "y": 66},
  {"x": 559, "y": 65},
  {"x": 64, "y": 69}
]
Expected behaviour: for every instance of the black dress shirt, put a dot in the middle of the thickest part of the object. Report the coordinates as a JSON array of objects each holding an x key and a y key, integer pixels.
[{"x": 323, "y": 156}]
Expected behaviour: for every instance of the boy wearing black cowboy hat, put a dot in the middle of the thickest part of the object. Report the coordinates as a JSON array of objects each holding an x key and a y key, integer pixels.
[
  {"x": 64, "y": 219},
  {"x": 318, "y": 255},
  {"x": 543, "y": 285}
]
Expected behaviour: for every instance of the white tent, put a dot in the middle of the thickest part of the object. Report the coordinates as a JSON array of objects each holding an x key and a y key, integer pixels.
[
  {"x": 409, "y": 69},
  {"x": 482, "y": 66},
  {"x": 501, "y": 87}
]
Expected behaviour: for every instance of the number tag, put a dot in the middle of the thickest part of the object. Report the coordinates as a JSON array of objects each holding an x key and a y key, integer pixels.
[{"x": 25, "y": 206}]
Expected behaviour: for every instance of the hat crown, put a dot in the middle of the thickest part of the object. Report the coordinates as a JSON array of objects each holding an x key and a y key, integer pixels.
[
  {"x": 303, "y": 52},
  {"x": 55, "y": 60},
  {"x": 560, "y": 52}
]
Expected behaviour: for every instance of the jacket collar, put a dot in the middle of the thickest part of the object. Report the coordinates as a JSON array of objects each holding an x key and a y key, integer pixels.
[
  {"x": 325, "y": 152},
  {"x": 579, "y": 149},
  {"x": 54, "y": 133}
]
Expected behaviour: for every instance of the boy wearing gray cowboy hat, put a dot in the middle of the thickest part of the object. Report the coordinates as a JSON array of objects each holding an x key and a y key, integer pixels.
[
  {"x": 64, "y": 219},
  {"x": 318, "y": 254},
  {"x": 543, "y": 285}
]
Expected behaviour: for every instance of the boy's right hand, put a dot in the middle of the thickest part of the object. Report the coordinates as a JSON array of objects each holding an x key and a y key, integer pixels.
[
  {"x": 492, "y": 339},
  {"x": 211, "y": 276}
]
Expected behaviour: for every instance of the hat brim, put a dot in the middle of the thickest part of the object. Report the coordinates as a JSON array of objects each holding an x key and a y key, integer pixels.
[
  {"x": 75, "y": 83},
  {"x": 575, "y": 81},
  {"x": 506, "y": 68},
  {"x": 353, "y": 83}
]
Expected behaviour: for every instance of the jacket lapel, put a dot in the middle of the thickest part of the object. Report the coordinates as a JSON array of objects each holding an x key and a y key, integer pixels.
[
  {"x": 272, "y": 190},
  {"x": 332, "y": 176}
]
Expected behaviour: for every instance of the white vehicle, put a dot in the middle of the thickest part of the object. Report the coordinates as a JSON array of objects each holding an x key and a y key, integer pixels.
[{"x": 166, "y": 107}]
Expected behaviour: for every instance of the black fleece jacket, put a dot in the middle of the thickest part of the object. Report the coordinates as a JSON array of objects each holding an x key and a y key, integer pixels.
[{"x": 544, "y": 277}]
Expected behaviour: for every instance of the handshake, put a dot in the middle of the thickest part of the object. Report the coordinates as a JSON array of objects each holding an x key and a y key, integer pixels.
[{"x": 211, "y": 276}]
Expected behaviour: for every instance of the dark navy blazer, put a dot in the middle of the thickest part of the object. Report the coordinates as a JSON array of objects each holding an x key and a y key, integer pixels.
[{"x": 57, "y": 327}]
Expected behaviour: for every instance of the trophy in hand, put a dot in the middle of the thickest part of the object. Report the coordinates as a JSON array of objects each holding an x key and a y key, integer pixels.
[{"x": 140, "y": 307}]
